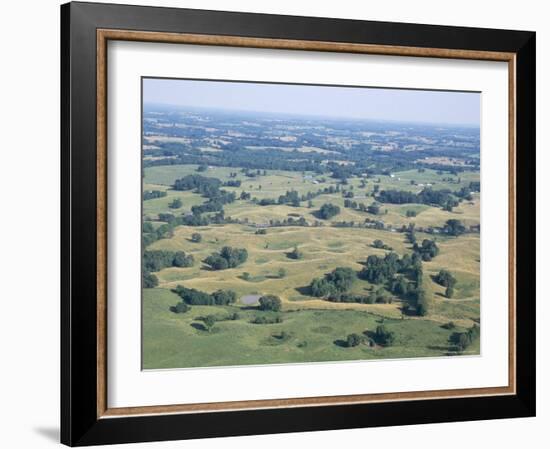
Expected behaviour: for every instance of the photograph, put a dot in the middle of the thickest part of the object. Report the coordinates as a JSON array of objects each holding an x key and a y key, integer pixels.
[{"x": 300, "y": 223}]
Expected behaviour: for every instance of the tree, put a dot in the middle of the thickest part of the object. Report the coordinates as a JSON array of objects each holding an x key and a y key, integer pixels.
[
  {"x": 353, "y": 340},
  {"x": 176, "y": 203},
  {"x": 149, "y": 280},
  {"x": 270, "y": 302},
  {"x": 378, "y": 244},
  {"x": 196, "y": 237},
  {"x": 209, "y": 322}
]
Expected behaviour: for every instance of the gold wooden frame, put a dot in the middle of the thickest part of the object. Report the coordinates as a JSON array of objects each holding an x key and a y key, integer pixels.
[{"x": 104, "y": 35}]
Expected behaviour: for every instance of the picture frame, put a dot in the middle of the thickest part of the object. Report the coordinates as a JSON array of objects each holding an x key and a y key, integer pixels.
[{"x": 86, "y": 30}]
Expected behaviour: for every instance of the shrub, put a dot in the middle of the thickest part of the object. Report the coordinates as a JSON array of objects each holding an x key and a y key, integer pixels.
[
  {"x": 180, "y": 307},
  {"x": 175, "y": 204},
  {"x": 353, "y": 340},
  {"x": 266, "y": 320},
  {"x": 196, "y": 237},
  {"x": 296, "y": 254},
  {"x": 384, "y": 337}
]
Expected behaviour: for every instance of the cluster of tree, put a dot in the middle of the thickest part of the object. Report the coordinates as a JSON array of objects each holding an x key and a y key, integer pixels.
[
  {"x": 446, "y": 279},
  {"x": 228, "y": 257},
  {"x": 464, "y": 193},
  {"x": 290, "y": 197},
  {"x": 427, "y": 250},
  {"x": 381, "y": 336},
  {"x": 393, "y": 272},
  {"x": 343, "y": 224},
  {"x": 461, "y": 340},
  {"x": 327, "y": 211},
  {"x": 380, "y": 270},
  {"x": 232, "y": 183},
  {"x": 234, "y": 316},
  {"x": 454, "y": 227},
  {"x": 355, "y": 205},
  {"x": 411, "y": 213},
  {"x": 198, "y": 183},
  {"x": 192, "y": 296},
  {"x": 379, "y": 244},
  {"x": 156, "y": 260},
  {"x": 341, "y": 171},
  {"x": 262, "y": 231},
  {"x": 333, "y": 284},
  {"x": 270, "y": 302},
  {"x": 293, "y": 198},
  {"x": 267, "y": 202},
  {"x": 443, "y": 197},
  {"x": 376, "y": 296},
  {"x": 263, "y": 319},
  {"x": 152, "y": 194},
  {"x": 176, "y": 203},
  {"x": 215, "y": 203}
]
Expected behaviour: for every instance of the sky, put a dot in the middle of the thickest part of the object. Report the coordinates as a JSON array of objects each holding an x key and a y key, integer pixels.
[{"x": 419, "y": 106}]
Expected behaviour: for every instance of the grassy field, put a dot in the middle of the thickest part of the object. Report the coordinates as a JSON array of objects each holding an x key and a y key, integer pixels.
[
  {"x": 315, "y": 327},
  {"x": 179, "y": 340}
]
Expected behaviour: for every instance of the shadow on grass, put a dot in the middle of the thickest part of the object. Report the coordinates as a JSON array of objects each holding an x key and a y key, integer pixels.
[
  {"x": 199, "y": 326},
  {"x": 408, "y": 311},
  {"x": 341, "y": 343},
  {"x": 306, "y": 290}
]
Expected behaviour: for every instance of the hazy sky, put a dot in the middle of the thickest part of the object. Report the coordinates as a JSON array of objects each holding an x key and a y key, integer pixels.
[{"x": 460, "y": 108}]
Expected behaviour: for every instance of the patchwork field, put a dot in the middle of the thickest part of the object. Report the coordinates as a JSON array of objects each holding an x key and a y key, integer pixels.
[{"x": 312, "y": 329}]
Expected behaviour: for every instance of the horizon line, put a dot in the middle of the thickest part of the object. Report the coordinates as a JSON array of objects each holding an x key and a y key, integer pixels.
[{"x": 352, "y": 118}]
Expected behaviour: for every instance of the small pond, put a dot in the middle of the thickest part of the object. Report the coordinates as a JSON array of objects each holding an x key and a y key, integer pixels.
[{"x": 250, "y": 299}]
